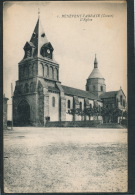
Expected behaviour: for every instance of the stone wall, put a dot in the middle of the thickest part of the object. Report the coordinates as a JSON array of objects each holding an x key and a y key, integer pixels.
[
  {"x": 27, "y": 70},
  {"x": 94, "y": 85},
  {"x": 69, "y": 100},
  {"x": 62, "y": 108},
  {"x": 92, "y": 123},
  {"x": 54, "y": 106},
  {"x": 48, "y": 70}
]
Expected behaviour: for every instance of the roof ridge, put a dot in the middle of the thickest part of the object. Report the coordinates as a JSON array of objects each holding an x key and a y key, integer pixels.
[
  {"x": 111, "y": 91},
  {"x": 81, "y": 90},
  {"x": 76, "y": 88}
]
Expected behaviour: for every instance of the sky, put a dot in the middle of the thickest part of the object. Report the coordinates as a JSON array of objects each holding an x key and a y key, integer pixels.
[{"x": 75, "y": 40}]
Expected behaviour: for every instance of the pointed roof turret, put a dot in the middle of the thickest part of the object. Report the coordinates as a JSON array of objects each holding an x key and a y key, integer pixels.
[
  {"x": 95, "y": 62},
  {"x": 38, "y": 46},
  {"x": 95, "y": 73},
  {"x": 38, "y": 37}
]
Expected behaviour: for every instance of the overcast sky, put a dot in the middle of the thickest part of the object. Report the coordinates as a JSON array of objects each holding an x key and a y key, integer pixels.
[{"x": 75, "y": 42}]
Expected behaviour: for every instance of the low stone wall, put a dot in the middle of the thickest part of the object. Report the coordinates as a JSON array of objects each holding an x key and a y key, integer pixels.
[{"x": 92, "y": 123}]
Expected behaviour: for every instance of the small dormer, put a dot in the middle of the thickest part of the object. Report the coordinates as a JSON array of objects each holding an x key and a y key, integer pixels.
[
  {"x": 29, "y": 49},
  {"x": 47, "y": 50}
]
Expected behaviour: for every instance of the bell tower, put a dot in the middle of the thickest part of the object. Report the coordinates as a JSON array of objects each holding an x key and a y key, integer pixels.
[
  {"x": 38, "y": 71},
  {"x": 96, "y": 82},
  {"x": 38, "y": 57}
]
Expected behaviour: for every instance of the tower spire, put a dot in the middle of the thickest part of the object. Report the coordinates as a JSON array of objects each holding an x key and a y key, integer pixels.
[
  {"x": 38, "y": 37},
  {"x": 38, "y": 13},
  {"x": 95, "y": 62}
]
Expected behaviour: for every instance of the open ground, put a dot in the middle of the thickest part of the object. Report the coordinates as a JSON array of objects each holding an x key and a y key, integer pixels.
[{"x": 65, "y": 160}]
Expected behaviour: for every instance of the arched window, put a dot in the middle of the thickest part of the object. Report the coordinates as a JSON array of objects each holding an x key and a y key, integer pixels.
[
  {"x": 121, "y": 99},
  {"x": 53, "y": 101},
  {"x": 21, "y": 88},
  {"x": 40, "y": 88},
  {"x": 34, "y": 69},
  {"x": 30, "y": 70},
  {"x": 81, "y": 105},
  {"x": 55, "y": 74},
  {"x": 101, "y": 88},
  {"x": 94, "y": 88},
  {"x": 26, "y": 88},
  {"x": 40, "y": 70},
  {"x": 31, "y": 87},
  {"x": 24, "y": 71},
  {"x": 45, "y": 70},
  {"x": 68, "y": 103},
  {"x": 51, "y": 72}
]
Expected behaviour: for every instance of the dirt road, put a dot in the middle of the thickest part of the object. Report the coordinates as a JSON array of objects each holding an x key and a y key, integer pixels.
[{"x": 65, "y": 160}]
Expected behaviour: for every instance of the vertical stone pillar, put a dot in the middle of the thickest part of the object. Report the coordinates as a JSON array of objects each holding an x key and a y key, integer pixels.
[
  {"x": 46, "y": 104},
  {"x": 62, "y": 103},
  {"x": 86, "y": 105},
  {"x": 36, "y": 118},
  {"x": 75, "y": 106},
  {"x": 46, "y": 107},
  {"x": 62, "y": 108}
]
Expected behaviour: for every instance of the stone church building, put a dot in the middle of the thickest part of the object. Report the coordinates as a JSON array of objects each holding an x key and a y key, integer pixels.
[{"x": 39, "y": 95}]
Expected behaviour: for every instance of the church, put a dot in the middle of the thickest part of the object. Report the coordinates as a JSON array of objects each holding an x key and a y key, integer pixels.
[{"x": 39, "y": 95}]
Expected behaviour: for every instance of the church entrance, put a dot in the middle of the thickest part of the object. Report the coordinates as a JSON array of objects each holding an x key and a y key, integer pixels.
[{"x": 23, "y": 113}]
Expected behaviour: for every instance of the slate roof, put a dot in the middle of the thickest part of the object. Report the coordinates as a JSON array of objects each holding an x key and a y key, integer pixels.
[
  {"x": 53, "y": 89},
  {"x": 39, "y": 40},
  {"x": 95, "y": 74},
  {"x": 31, "y": 44},
  {"x": 108, "y": 94},
  {"x": 79, "y": 93},
  {"x": 48, "y": 44}
]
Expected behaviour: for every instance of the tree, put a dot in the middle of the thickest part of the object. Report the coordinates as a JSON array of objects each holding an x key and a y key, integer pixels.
[
  {"x": 76, "y": 111},
  {"x": 110, "y": 113},
  {"x": 88, "y": 111},
  {"x": 96, "y": 111}
]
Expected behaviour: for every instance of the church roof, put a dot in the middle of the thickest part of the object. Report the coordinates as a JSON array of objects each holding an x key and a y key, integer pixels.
[
  {"x": 48, "y": 45},
  {"x": 108, "y": 94},
  {"x": 95, "y": 74},
  {"x": 28, "y": 43},
  {"x": 38, "y": 38},
  {"x": 80, "y": 93},
  {"x": 50, "y": 88}
]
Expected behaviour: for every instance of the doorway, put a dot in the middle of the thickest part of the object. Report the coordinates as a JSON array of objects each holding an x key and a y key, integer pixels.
[{"x": 23, "y": 111}]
